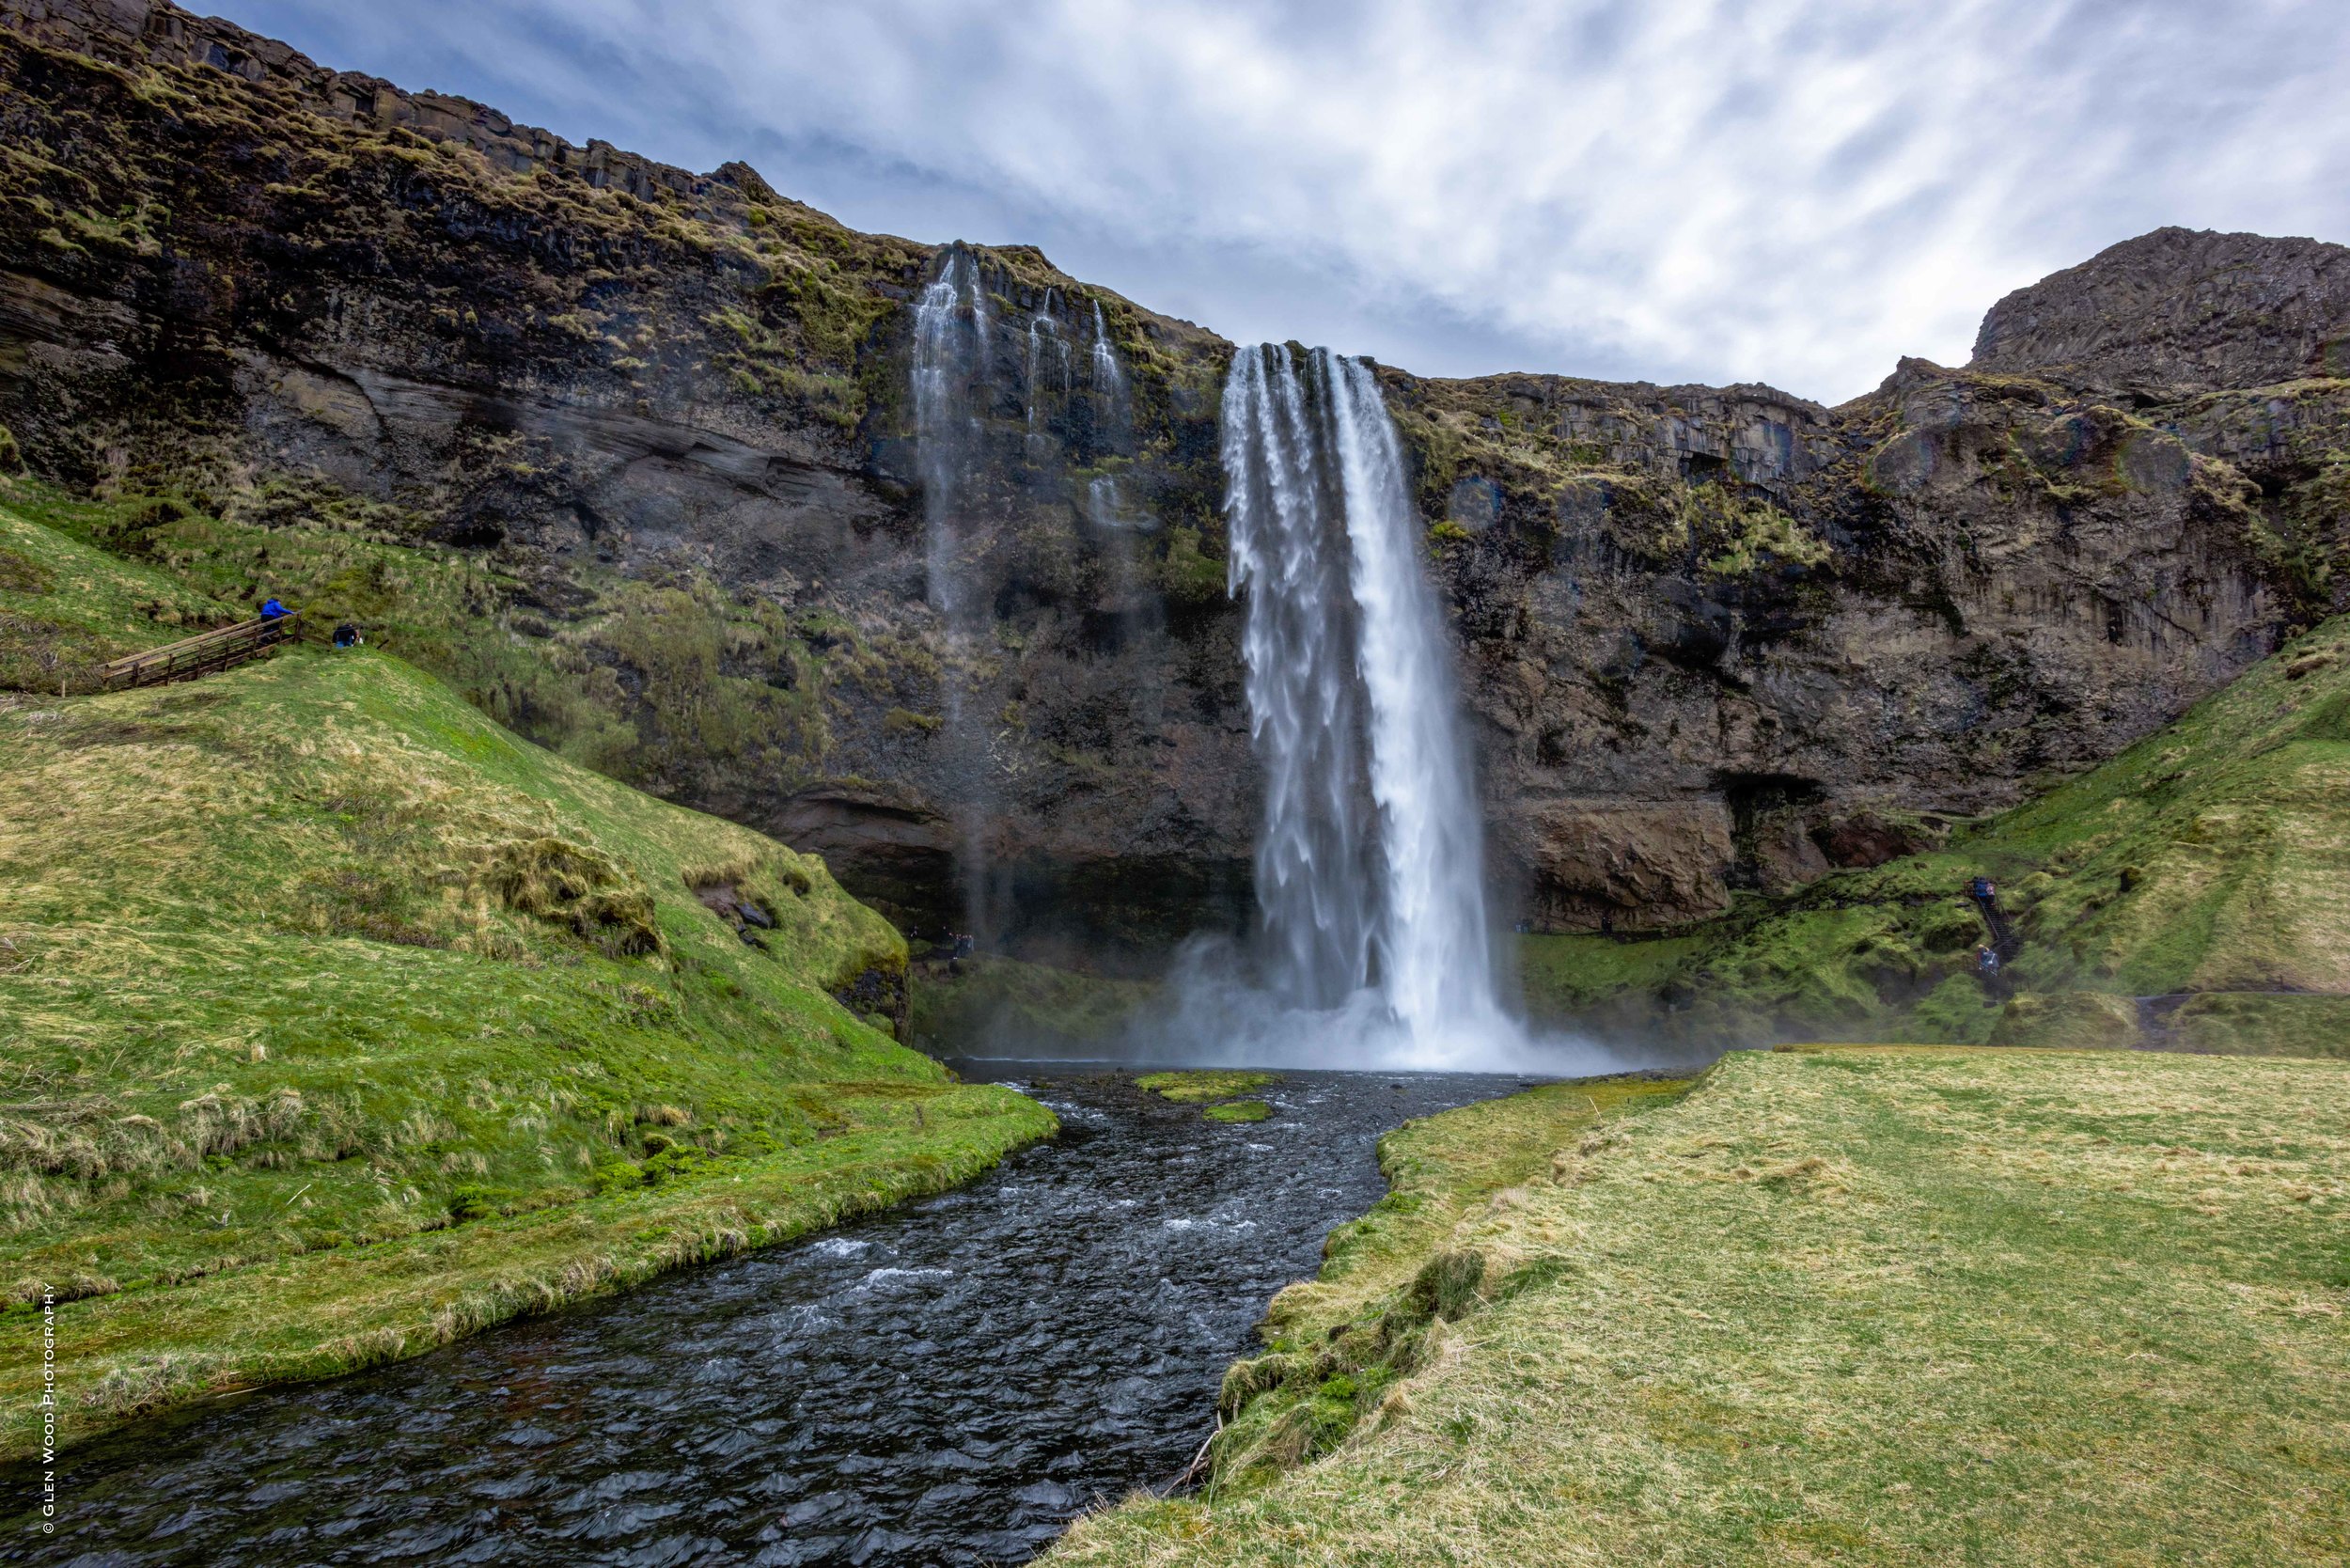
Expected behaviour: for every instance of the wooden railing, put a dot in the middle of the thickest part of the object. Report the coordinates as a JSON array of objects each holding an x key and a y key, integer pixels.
[{"x": 201, "y": 654}]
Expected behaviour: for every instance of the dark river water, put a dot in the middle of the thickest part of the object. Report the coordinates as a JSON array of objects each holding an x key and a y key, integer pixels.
[{"x": 949, "y": 1383}]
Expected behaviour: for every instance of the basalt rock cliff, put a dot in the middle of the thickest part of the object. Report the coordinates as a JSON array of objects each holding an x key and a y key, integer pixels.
[{"x": 628, "y": 453}]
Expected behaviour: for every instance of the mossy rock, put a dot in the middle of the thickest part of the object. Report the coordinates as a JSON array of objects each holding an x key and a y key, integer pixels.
[
  {"x": 1191, "y": 576},
  {"x": 1197, "y": 1088},
  {"x": 1239, "y": 1110}
]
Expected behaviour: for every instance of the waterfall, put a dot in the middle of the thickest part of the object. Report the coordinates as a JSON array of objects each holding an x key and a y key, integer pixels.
[
  {"x": 951, "y": 387},
  {"x": 950, "y": 342},
  {"x": 1370, "y": 870},
  {"x": 1108, "y": 379},
  {"x": 1044, "y": 328}
]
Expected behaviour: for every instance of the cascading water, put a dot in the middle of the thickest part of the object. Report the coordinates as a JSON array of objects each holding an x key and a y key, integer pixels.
[
  {"x": 1368, "y": 866},
  {"x": 1045, "y": 342},
  {"x": 1108, "y": 379},
  {"x": 1313, "y": 862},
  {"x": 951, "y": 344}
]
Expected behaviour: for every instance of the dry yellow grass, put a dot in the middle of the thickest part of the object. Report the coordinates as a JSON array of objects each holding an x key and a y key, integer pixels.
[{"x": 1869, "y": 1306}]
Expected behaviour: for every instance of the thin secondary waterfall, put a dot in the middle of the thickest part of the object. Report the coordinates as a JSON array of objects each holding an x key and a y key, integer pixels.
[
  {"x": 1369, "y": 872},
  {"x": 1108, "y": 378},
  {"x": 950, "y": 344},
  {"x": 951, "y": 331}
]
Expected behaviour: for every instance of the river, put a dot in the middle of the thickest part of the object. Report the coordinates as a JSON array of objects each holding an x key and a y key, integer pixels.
[{"x": 949, "y": 1383}]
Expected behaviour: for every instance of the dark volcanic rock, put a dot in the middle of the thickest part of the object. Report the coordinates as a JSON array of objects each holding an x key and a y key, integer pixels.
[
  {"x": 654, "y": 429},
  {"x": 2181, "y": 311}
]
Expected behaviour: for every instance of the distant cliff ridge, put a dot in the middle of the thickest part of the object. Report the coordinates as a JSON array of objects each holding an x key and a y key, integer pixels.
[
  {"x": 2177, "y": 312},
  {"x": 148, "y": 32},
  {"x": 629, "y": 454}
]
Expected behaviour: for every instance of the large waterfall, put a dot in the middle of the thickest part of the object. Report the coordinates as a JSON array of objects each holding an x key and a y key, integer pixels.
[{"x": 1369, "y": 870}]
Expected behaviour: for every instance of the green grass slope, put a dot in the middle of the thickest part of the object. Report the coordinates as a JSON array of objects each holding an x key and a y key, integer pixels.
[
  {"x": 2208, "y": 864},
  {"x": 712, "y": 683},
  {"x": 1848, "y": 1306},
  {"x": 340, "y": 1020},
  {"x": 66, "y": 607}
]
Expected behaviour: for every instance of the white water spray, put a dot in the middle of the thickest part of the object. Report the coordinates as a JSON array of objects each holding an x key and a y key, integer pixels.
[
  {"x": 951, "y": 392},
  {"x": 1369, "y": 865},
  {"x": 1110, "y": 379},
  {"x": 950, "y": 331}
]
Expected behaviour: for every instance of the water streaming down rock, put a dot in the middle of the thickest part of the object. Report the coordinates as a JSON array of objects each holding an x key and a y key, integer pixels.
[
  {"x": 1109, "y": 377},
  {"x": 1048, "y": 365},
  {"x": 1370, "y": 869},
  {"x": 951, "y": 346},
  {"x": 998, "y": 422}
]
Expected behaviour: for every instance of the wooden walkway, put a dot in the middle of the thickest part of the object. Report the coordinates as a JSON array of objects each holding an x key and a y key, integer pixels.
[{"x": 203, "y": 654}]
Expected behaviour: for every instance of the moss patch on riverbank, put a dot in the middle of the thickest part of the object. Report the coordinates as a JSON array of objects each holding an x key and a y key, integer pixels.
[
  {"x": 1199, "y": 1086},
  {"x": 1218, "y": 1091},
  {"x": 341, "y": 1021},
  {"x": 1338, "y": 1344},
  {"x": 1859, "y": 1305},
  {"x": 2210, "y": 859}
]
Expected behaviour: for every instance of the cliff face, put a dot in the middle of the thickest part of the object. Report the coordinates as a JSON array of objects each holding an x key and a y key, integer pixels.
[
  {"x": 650, "y": 434},
  {"x": 2177, "y": 312}
]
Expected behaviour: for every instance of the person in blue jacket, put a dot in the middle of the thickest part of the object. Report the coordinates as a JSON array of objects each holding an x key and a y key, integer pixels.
[{"x": 273, "y": 609}]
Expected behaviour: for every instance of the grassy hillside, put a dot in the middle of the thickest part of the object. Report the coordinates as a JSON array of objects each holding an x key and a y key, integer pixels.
[
  {"x": 1851, "y": 1306},
  {"x": 2211, "y": 859},
  {"x": 66, "y": 607},
  {"x": 707, "y": 676},
  {"x": 340, "y": 1020}
]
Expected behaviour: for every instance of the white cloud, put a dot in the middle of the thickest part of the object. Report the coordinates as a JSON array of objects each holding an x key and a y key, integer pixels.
[{"x": 1674, "y": 189}]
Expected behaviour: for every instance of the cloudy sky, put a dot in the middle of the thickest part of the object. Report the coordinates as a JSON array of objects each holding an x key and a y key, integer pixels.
[{"x": 1667, "y": 190}]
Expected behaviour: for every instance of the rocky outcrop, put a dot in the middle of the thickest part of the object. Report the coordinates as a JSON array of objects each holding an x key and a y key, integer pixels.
[
  {"x": 647, "y": 438},
  {"x": 2179, "y": 311},
  {"x": 155, "y": 32}
]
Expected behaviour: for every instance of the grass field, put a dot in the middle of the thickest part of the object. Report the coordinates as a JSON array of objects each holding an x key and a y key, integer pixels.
[
  {"x": 1857, "y": 1305},
  {"x": 340, "y": 1020}
]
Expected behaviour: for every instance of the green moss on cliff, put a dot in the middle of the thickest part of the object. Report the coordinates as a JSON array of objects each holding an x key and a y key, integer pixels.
[
  {"x": 1189, "y": 576},
  {"x": 664, "y": 685},
  {"x": 1001, "y": 1006},
  {"x": 2213, "y": 856}
]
